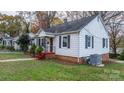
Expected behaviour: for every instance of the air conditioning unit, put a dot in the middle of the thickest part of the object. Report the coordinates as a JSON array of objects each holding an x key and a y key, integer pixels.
[{"x": 95, "y": 59}]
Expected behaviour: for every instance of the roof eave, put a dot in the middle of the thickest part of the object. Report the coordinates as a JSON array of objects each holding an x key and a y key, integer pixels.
[{"x": 69, "y": 32}]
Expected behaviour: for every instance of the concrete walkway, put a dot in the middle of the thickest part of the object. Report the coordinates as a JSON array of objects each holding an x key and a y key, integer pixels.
[
  {"x": 22, "y": 59},
  {"x": 117, "y": 61}
]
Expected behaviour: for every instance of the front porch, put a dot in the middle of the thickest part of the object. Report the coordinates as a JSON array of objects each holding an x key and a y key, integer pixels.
[{"x": 46, "y": 42}]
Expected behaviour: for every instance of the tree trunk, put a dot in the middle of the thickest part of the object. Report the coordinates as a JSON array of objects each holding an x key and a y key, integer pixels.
[{"x": 115, "y": 51}]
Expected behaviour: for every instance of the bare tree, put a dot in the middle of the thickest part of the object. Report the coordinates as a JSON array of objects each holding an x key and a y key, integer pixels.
[
  {"x": 27, "y": 17},
  {"x": 45, "y": 18},
  {"x": 116, "y": 33},
  {"x": 106, "y": 15}
]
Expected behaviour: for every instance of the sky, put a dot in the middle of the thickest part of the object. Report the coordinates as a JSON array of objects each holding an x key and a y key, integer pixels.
[{"x": 8, "y": 12}]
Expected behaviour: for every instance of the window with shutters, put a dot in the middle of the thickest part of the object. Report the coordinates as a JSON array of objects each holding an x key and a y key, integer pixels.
[
  {"x": 105, "y": 42},
  {"x": 64, "y": 41},
  {"x": 89, "y": 41}
]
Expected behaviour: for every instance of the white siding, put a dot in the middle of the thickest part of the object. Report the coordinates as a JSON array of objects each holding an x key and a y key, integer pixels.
[
  {"x": 95, "y": 28},
  {"x": 72, "y": 51}
]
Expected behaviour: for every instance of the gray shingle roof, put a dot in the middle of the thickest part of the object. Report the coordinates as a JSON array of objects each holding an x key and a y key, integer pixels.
[{"x": 71, "y": 26}]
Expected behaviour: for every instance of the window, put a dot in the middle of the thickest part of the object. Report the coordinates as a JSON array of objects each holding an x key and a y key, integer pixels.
[
  {"x": 105, "y": 43},
  {"x": 89, "y": 40},
  {"x": 65, "y": 41}
]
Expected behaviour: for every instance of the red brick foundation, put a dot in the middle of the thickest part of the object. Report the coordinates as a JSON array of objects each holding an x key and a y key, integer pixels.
[
  {"x": 69, "y": 59},
  {"x": 105, "y": 59}
]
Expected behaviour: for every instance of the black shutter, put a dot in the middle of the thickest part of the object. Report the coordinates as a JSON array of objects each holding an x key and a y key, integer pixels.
[
  {"x": 59, "y": 41},
  {"x": 106, "y": 43},
  {"x": 92, "y": 42},
  {"x": 86, "y": 41},
  {"x": 103, "y": 41},
  {"x": 68, "y": 41}
]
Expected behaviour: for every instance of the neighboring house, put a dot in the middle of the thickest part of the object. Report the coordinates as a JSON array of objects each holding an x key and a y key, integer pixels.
[
  {"x": 7, "y": 41},
  {"x": 75, "y": 40}
]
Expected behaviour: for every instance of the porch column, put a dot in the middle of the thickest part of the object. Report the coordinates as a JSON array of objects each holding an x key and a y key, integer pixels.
[{"x": 45, "y": 44}]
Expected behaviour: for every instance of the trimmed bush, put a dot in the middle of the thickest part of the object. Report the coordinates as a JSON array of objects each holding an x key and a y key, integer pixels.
[{"x": 38, "y": 50}]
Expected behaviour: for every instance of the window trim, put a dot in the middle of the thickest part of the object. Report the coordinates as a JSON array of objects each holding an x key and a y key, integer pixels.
[
  {"x": 91, "y": 45},
  {"x": 62, "y": 41}
]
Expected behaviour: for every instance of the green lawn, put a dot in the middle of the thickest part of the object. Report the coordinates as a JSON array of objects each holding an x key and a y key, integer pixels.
[
  {"x": 13, "y": 55},
  {"x": 51, "y": 70}
]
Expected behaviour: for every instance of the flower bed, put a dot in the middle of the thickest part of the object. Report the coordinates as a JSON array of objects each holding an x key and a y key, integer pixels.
[{"x": 40, "y": 56}]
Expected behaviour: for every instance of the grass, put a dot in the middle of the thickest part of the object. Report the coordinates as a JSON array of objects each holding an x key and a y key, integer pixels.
[
  {"x": 52, "y": 70},
  {"x": 12, "y": 55}
]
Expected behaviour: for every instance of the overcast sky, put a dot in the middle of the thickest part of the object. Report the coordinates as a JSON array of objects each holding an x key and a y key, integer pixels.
[{"x": 8, "y": 12}]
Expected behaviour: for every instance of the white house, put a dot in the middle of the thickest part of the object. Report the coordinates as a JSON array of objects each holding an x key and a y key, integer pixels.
[
  {"x": 72, "y": 41},
  {"x": 75, "y": 40}
]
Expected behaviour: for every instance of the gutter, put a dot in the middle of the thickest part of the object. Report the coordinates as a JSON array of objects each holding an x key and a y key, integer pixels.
[{"x": 68, "y": 32}]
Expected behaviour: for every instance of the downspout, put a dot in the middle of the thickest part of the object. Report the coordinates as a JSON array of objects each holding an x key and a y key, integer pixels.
[{"x": 78, "y": 48}]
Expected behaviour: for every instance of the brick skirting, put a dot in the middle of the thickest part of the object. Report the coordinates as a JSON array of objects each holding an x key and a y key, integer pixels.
[
  {"x": 105, "y": 59},
  {"x": 69, "y": 59}
]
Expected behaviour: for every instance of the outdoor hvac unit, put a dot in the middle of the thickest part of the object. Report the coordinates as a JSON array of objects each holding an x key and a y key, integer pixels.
[{"x": 95, "y": 59}]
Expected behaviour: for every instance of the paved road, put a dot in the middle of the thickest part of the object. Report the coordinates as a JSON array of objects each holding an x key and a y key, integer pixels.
[{"x": 12, "y": 60}]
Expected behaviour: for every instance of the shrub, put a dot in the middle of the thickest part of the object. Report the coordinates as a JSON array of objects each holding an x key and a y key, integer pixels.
[
  {"x": 11, "y": 48},
  {"x": 24, "y": 42},
  {"x": 32, "y": 50},
  {"x": 111, "y": 55},
  {"x": 2, "y": 47},
  {"x": 122, "y": 55},
  {"x": 38, "y": 49}
]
